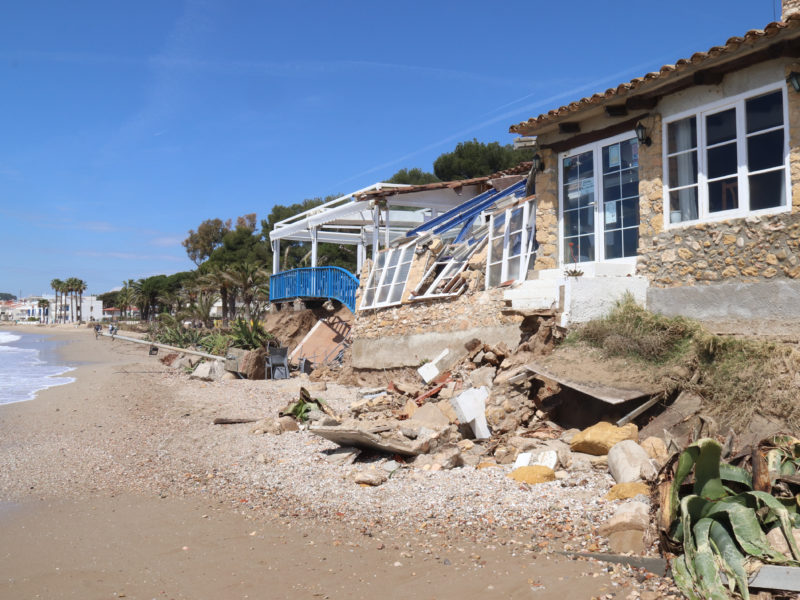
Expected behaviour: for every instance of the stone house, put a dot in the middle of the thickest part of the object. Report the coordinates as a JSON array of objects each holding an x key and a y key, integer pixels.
[{"x": 682, "y": 185}]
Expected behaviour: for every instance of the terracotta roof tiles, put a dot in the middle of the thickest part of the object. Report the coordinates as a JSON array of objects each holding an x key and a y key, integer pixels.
[{"x": 752, "y": 37}]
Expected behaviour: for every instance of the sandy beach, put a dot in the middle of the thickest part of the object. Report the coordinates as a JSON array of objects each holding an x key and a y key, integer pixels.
[{"x": 118, "y": 485}]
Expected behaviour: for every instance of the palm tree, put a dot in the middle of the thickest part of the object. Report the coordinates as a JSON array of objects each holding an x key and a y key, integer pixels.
[
  {"x": 56, "y": 284},
  {"x": 43, "y": 304},
  {"x": 217, "y": 278},
  {"x": 80, "y": 287},
  {"x": 71, "y": 285},
  {"x": 252, "y": 281}
]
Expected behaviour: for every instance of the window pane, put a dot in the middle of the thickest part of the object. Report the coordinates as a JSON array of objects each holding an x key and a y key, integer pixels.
[
  {"x": 630, "y": 212},
  {"x": 587, "y": 192},
  {"x": 570, "y": 223},
  {"x": 723, "y": 195},
  {"x": 611, "y": 187},
  {"x": 629, "y": 150},
  {"x": 515, "y": 222},
  {"x": 586, "y": 248},
  {"x": 514, "y": 244},
  {"x": 369, "y": 294},
  {"x": 721, "y": 127},
  {"x": 630, "y": 241},
  {"x": 612, "y": 217},
  {"x": 513, "y": 268},
  {"x": 683, "y": 205},
  {"x": 586, "y": 164},
  {"x": 630, "y": 183},
  {"x": 614, "y": 244},
  {"x": 682, "y": 135},
  {"x": 572, "y": 195},
  {"x": 765, "y": 150},
  {"x": 495, "y": 272},
  {"x": 497, "y": 248},
  {"x": 683, "y": 169},
  {"x": 722, "y": 160},
  {"x": 764, "y": 112},
  {"x": 767, "y": 190},
  {"x": 570, "y": 169},
  {"x": 587, "y": 220}
]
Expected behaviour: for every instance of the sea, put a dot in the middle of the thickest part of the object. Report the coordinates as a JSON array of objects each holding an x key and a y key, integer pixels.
[{"x": 29, "y": 363}]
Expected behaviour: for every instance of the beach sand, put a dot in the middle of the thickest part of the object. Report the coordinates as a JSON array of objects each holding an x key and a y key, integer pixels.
[{"x": 117, "y": 485}]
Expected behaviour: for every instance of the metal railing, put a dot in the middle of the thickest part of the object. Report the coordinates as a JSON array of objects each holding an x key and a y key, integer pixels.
[{"x": 317, "y": 282}]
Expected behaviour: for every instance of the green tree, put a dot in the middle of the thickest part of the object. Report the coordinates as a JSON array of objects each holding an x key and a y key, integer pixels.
[
  {"x": 80, "y": 287},
  {"x": 413, "y": 176},
  {"x": 209, "y": 235},
  {"x": 57, "y": 284},
  {"x": 476, "y": 159},
  {"x": 5, "y": 296}
]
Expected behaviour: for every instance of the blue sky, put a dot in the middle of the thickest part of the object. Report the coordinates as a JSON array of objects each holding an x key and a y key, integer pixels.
[{"x": 125, "y": 124}]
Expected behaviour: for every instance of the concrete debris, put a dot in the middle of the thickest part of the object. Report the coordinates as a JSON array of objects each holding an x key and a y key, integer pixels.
[
  {"x": 371, "y": 477},
  {"x": 430, "y": 370},
  {"x": 348, "y": 436},
  {"x": 343, "y": 456},
  {"x": 288, "y": 423},
  {"x": 483, "y": 376},
  {"x": 628, "y": 462},
  {"x": 470, "y": 406},
  {"x": 207, "y": 371},
  {"x": 429, "y": 415}
]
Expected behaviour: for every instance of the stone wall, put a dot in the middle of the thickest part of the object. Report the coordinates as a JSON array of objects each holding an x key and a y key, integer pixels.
[
  {"x": 749, "y": 249},
  {"x": 547, "y": 212},
  {"x": 467, "y": 311},
  {"x": 651, "y": 189}
]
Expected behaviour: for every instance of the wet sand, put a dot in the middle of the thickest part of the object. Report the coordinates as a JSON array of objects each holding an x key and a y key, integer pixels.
[{"x": 81, "y": 514}]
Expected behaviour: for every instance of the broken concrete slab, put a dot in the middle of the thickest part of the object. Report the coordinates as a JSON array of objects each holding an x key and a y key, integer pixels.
[
  {"x": 470, "y": 406},
  {"x": 207, "y": 371},
  {"x": 347, "y": 436},
  {"x": 431, "y": 369},
  {"x": 608, "y": 394}
]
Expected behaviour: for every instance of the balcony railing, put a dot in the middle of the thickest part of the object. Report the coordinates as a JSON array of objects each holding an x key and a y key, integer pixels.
[{"x": 318, "y": 282}]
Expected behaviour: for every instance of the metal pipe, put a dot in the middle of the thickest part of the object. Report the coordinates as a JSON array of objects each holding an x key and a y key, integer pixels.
[{"x": 165, "y": 346}]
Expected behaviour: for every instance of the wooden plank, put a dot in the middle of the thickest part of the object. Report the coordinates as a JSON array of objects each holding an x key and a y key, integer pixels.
[
  {"x": 638, "y": 410},
  {"x": 608, "y": 394}
]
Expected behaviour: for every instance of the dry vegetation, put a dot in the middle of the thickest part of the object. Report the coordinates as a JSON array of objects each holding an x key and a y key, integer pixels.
[{"x": 737, "y": 378}]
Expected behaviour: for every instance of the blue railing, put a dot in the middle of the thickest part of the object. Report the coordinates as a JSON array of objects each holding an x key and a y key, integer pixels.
[{"x": 318, "y": 282}]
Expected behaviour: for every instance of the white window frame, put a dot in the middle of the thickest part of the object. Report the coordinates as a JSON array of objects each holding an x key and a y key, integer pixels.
[
  {"x": 699, "y": 113},
  {"x": 448, "y": 280},
  {"x": 599, "y": 228},
  {"x": 525, "y": 245},
  {"x": 405, "y": 255}
]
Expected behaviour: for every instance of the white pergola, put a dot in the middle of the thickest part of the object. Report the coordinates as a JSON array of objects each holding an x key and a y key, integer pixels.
[{"x": 363, "y": 217}]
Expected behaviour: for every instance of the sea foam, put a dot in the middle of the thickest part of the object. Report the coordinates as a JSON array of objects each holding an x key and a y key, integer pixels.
[{"x": 24, "y": 371}]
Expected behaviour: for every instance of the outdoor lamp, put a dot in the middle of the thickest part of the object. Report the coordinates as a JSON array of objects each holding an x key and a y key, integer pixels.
[
  {"x": 641, "y": 135},
  {"x": 537, "y": 163},
  {"x": 794, "y": 79}
]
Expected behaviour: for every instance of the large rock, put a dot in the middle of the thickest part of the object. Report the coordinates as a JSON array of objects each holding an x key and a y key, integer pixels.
[
  {"x": 535, "y": 474},
  {"x": 656, "y": 449},
  {"x": 777, "y": 540},
  {"x": 631, "y": 515},
  {"x": 627, "y": 462},
  {"x": 253, "y": 363},
  {"x": 625, "y": 491},
  {"x": 429, "y": 415},
  {"x": 601, "y": 437},
  {"x": 288, "y": 424},
  {"x": 483, "y": 376}
]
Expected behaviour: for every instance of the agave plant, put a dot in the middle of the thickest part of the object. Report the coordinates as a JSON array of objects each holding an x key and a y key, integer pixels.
[
  {"x": 250, "y": 336},
  {"x": 722, "y": 524}
]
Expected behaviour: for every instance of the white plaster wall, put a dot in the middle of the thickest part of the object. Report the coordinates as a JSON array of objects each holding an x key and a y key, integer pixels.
[
  {"x": 733, "y": 84},
  {"x": 587, "y": 298}
]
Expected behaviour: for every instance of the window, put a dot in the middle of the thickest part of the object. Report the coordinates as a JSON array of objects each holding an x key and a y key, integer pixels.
[
  {"x": 443, "y": 278},
  {"x": 600, "y": 201},
  {"x": 388, "y": 277},
  {"x": 728, "y": 159},
  {"x": 510, "y": 245}
]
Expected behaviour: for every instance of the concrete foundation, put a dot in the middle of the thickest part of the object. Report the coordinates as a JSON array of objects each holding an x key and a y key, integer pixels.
[
  {"x": 411, "y": 350},
  {"x": 771, "y": 300}
]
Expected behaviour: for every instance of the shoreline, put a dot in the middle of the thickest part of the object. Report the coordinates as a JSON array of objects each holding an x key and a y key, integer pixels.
[{"x": 132, "y": 431}]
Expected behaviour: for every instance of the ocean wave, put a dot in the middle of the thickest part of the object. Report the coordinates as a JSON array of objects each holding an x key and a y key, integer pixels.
[
  {"x": 7, "y": 338},
  {"x": 24, "y": 372}
]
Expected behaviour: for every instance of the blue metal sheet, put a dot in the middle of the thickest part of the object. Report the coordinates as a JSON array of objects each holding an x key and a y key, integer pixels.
[
  {"x": 450, "y": 213},
  {"x": 477, "y": 209}
]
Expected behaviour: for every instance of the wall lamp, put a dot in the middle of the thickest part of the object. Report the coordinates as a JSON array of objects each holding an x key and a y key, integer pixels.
[
  {"x": 794, "y": 79},
  {"x": 641, "y": 135},
  {"x": 537, "y": 165}
]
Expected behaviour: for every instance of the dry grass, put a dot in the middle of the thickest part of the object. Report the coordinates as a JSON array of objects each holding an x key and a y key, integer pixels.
[{"x": 738, "y": 378}]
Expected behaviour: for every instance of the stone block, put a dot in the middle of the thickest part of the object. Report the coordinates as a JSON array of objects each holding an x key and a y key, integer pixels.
[
  {"x": 628, "y": 462},
  {"x": 601, "y": 437},
  {"x": 533, "y": 475}
]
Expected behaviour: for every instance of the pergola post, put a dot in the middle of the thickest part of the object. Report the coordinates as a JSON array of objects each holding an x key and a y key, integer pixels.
[
  {"x": 359, "y": 257},
  {"x": 376, "y": 223},
  {"x": 386, "y": 226},
  {"x": 276, "y": 256},
  {"x": 313, "y": 247}
]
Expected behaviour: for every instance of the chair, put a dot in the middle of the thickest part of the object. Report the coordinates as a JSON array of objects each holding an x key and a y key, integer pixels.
[{"x": 278, "y": 363}]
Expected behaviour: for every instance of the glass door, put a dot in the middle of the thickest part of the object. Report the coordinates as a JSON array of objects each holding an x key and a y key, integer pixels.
[{"x": 600, "y": 201}]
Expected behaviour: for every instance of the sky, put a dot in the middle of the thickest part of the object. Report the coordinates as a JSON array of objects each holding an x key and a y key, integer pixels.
[{"x": 125, "y": 124}]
